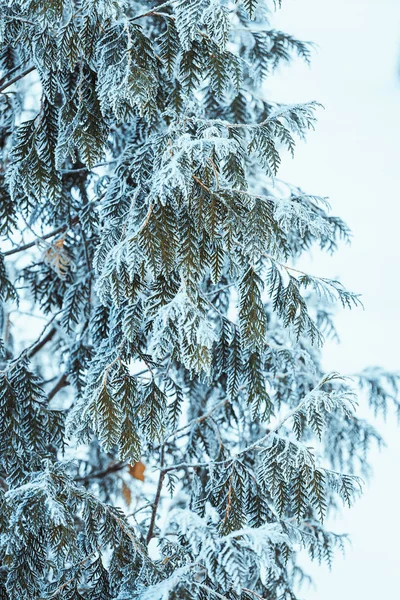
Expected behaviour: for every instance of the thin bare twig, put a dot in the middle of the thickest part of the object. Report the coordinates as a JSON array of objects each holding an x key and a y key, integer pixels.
[
  {"x": 199, "y": 419},
  {"x": 87, "y": 169}
]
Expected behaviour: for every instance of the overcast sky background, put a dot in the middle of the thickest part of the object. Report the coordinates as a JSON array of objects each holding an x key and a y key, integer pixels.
[{"x": 353, "y": 157}]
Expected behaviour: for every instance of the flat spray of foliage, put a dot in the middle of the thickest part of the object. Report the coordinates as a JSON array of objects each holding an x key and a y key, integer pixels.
[{"x": 141, "y": 218}]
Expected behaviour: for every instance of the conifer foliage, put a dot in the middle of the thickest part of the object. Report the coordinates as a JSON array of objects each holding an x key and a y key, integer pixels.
[{"x": 141, "y": 218}]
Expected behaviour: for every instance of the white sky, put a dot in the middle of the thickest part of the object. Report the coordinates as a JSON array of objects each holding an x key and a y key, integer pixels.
[{"x": 353, "y": 158}]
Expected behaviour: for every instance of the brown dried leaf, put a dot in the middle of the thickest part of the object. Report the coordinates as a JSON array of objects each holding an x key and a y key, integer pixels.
[
  {"x": 127, "y": 494},
  {"x": 58, "y": 258},
  {"x": 137, "y": 470}
]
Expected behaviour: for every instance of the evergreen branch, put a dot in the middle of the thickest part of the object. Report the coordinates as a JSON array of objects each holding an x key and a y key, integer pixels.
[
  {"x": 253, "y": 592},
  {"x": 152, "y": 11},
  {"x": 287, "y": 267},
  {"x": 289, "y": 415},
  {"x": 272, "y": 118},
  {"x": 73, "y": 579},
  {"x": 256, "y": 445},
  {"x": 22, "y": 20},
  {"x": 125, "y": 529},
  {"x": 268, "y": 256},
  {"x": 210, "y": 590},
  {"x": 144, "y": 223}
]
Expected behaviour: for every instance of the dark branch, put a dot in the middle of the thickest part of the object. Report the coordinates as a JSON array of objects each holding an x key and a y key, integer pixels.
[
  {"x": 10, "y": 73},
  {"x": 61, "y": 383},
  {"x": 35, "y": 349},
  {"x": 100, "y": 474},
  {"x": 7, "y": 84},
  {"x": 60, "y": 229}
]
